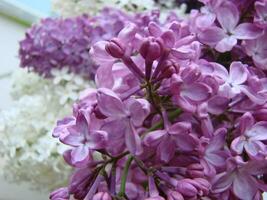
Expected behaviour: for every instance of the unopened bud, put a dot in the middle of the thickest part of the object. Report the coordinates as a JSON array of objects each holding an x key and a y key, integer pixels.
[
  {"x": 186, "y": 188},
  {"x": 195, "y": 170},
  {"x": 151, "y": 49},
  {"x": 174, "y": 195},
  {"x": 115, "y": 49}
]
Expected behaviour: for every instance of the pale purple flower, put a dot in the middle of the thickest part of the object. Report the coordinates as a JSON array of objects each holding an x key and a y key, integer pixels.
[
  {"x": 252, "y": 135},
  {"x": 214, "y": 155},
  {"x": 234, "y": 80},
  {"x": 188, "y": 91},
  {"x": 240, "y": 177},
  {"x": 257, "y": 49},
  {"x": 122, "y": 119},
  {"x": 171, "y": 139},
  {"x": 224, "y": 38},
  {"x": 84, "y": 136}
]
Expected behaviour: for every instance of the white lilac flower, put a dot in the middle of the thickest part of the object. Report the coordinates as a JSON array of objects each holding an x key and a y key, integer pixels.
[
  {"x": 27, "y": 146},
  {"x": 67, "y": 8}
]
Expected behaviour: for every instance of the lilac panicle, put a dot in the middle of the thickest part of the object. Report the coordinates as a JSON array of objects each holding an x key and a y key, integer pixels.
[
  {"x": 179, "y": 110},
  {"x": 58, "y": 43}
]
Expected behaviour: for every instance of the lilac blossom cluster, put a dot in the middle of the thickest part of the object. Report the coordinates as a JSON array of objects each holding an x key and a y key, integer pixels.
[
  {"x": 179, "y": 113},
  {"x": 58, "y": 43}
]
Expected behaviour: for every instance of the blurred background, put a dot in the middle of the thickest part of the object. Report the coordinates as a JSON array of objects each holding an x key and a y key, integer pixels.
[{"x": 15, "y": 17}]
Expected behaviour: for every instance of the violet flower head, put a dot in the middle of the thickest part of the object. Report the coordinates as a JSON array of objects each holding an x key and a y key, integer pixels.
[
  {"x": 175, "y": 115},
  {"x": 58, "y": 43}
]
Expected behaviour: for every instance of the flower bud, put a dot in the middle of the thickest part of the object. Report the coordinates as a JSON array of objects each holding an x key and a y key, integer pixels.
[
  {"x": 195, "y": 170},
  {"x": 115, "y": 49},
  {"x": 186, "y": 188},
  {"x": 102, "y": 196},
  {"x": 174, "y": 195},
  {"x": 168, "y": 72},
  {"x": 151, "y": 49}
]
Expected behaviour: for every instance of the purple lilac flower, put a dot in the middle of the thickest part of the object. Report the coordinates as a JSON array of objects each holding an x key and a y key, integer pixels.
[
  {"x": 58, "y": 43},
  {"x": 174, "y": 118},
  {"x": 224, "y": 38}
]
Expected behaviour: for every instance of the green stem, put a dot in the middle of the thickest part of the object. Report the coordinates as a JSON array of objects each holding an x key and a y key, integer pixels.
[{"x": 124, "y": 176}]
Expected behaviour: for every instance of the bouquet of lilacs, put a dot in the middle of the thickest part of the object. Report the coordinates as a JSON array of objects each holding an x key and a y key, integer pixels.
[
  {"x": 56, "y": 52},
  {"x": 69, "y": 8},
  {"x": 179, "y": 111}
]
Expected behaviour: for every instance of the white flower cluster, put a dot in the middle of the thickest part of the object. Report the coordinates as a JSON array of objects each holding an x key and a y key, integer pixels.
[
  {"x": 29, "y": 151},
  {"x": 68, "y": 8}
]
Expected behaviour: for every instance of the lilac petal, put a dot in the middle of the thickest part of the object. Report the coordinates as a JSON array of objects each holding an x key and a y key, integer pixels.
[
  {"x": 139, "y": 109},
  {"x": 261, "y": 8},
  {"x": 190, "y": 74},
  {"x": 211, "y": 36},
  {"x": 217, "y": 104},
  {"x": 154, "y": 29},
  {"x": 115, "y": 129},
  {"x": 196, "y": 92},
  {"x": 244, "y": 187},
  {"x": 104, "y": 77},
  {"x": 216, "y": 159},
  {"x": 168, "y": 38},
  {"x": 99, "y": 53},
  {"x": 166, "y": 149},
  {"x": 183, "y": 52},
  {"x": 62, "y": 125},
  {"x": 74, "y": 139},
  {"x": 237, "y": 145},
  {"x": 110, "y": 104},
  {"x": 184, "y": 103},
  {"x": 67, "y": 157},
  {"x": 82, "y": 121},
  {"x": 256, "y": 167},
  {"x": 97, "y": 139},
  {"x": 80, "y": 155},
  {"x": 254, "y": 97},
  {"x": 258, "y": 131},
  {"x": 251, "y": 148},
  {"x": 205, "y": 20},
  {"x": 226, "y": 44},
  {"x": 179, "y": 127},
  {"x": 222, "y": 182},
  {"x": 247, "y": 31},
  {"x": 127, "y": 33},
  {"x": 133, "y": 141},
  {"x": 238, "y": 73},
  {"x": 153, "y": 138},
  {"x": 60, "y": 194},
  {"x": 218, "y": 141},
  {"x": 228, "y": 16},
  {"x": 186, "y": 142},
  {"x": 246, "y": 122},
  {"x": 209, "y": 169}
]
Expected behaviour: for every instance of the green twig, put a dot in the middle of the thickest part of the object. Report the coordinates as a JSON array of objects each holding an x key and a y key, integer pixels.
[{"x": 124, "y": 177}]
